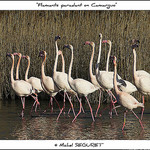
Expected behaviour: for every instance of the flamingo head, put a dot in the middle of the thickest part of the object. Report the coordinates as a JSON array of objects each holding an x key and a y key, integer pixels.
[
  {"x": 68, "y": 46},
  {"x": 18, "y": 54},
  {"x": 89, "y": 43},
  {"x": 10, "y": 55},
  {"x": 59, "y": 52},
  {"x": 57, "y": 37},
  {"x": 106, "y": 41},
  {"x": 27, "y": 57},
  {"x": 134, "y": 43},
  {"x": 42, "y": 53},
  {"x": 100, "y": 35}
]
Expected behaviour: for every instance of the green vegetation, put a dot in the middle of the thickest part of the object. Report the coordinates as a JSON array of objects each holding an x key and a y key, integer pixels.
[{"x": 29, "y": 32}]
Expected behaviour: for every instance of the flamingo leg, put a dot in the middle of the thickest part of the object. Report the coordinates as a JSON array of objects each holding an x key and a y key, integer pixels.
[
  {"x": 81, "y": 103},
  {"x": 125, "y": 113},
  {"x": 69, "y": 111},
  {"x": 62, "y": 108},
  {"x": 90, "y": 108},
  {"x": 71, "y": 104},
  {"x": 36, "y": 102},
  {"x": 23, "y": 106},
  {"x": 142, "y": 108},
  {"x": 48, "y": 105},
  {"x": 79, "y": 110},
  {"x": 99, "y": 103},
  {"x": 113, "y": 103},
  {"x": 138, "y": 119},
  {"x": 51, "y": 101},
  {"x": 33, "y": 106},
  {"x": 57, "y": 102}
]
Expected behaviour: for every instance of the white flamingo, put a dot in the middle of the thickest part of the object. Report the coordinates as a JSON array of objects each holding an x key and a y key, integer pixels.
[
  {"x": 47, "y": 82},
  {"x": 125, "y": 99},
  {"x": 21, "y": 87},
  {"x": 105, "y": 78},
  {"x": 61, "y": 80},
  {"x": 80, "y": 86},
  {"x": 34, "y": 81},
  {"x": 92, "y": 76},
  {"x": 141, "y": 77},
  {"x": 124, "y": 86},
  {"x": 17, "y": 77}
]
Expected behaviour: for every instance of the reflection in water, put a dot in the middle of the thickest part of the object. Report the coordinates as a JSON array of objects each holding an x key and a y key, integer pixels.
[{"x": 45, "y": 126}]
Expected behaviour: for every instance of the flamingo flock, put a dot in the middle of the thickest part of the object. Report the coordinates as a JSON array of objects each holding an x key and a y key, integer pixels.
[{"x": 102, "y": 80}]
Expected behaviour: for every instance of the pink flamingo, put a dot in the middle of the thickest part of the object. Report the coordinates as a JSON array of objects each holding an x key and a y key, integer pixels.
[
  {"x": 92, "y": 76},
  {"x": 80, "y": 86},
  {"x": 141, "y": 77},
  {"x": 47, "y": 82},
  {"x": 17, "y": 77},
  {"x": 124, "y": 86},
  {"x": 125, "y": 99},
  {"x": 105, "y": 78},
  {"x": 21, "y": 87},
  {"x": 34, "y": 81},
  {"x": 61, "y": 80}
]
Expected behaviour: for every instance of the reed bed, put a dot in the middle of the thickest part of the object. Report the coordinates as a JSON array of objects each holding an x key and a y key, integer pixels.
[{"x": 29, "y": 32}]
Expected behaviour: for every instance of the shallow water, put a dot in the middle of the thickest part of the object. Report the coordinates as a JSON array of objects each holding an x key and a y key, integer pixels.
[{"x": 45, "y": 127}]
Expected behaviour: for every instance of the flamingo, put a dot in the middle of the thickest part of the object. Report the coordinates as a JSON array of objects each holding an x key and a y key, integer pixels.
[
  {"x": 60, "y": 78},
  {"x": 92, "y": 76},
  {"x": 105, "y": 78},
  {"x": 22, "y": 88},
  {"x": 34, "y": 81},
  {"x": 126, "y": 100},
  {"x": 47, "y": 82},
  {"x": 80, "y": 86},
  {"x": 141, "y": 77},
  {"x": 125, "y": 85},
  {"x": 71, "y": 92},
  {"x": 17, "y": 77}
]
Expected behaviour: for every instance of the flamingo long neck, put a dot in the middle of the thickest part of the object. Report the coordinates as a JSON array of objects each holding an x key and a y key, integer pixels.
[
  {"x": 115, "y": 80},
  {"x": 17, "y": 69},
  {"x": 63, "y": 63},
  {"x": 27, "y": 71},
  {"x": 70, "y": 67},
  {"x": 99, "y": 56},
  {"x": 134, "y": 64},
  {"x": 56, "y": 58},
  {"x": 12, "y": 71},
  {"x": 42, "y": 68},
  {"x": 109, "y": 52},
  {"x": 91, "y": 62}
]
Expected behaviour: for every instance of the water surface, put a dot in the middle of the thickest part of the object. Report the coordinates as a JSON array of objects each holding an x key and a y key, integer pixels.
[{"x": 45, "y": 127}]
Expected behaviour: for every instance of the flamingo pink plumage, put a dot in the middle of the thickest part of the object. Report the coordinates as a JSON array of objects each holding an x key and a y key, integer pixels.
[
  {"x": 21, "y": 87},
  {"x": 141, "y": 77},
  {"x": 92, "y": 76},
  {"x": 80, "y": 86},
  {"x": 34, "y": 81},
  {"x": 47, "y": 82},
  {"x": 124, "y": 98},
  {"x": 61, "y": 80}
]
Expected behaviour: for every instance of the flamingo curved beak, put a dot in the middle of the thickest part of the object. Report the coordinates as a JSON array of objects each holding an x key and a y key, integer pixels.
[
  {"x": 8, "y": 54},
  {"x": 104, "y": 41},
  {"x": 15, "y": 54},
  {"x": 87, "y": 43},
  {"x": 57, "y": 37}
]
